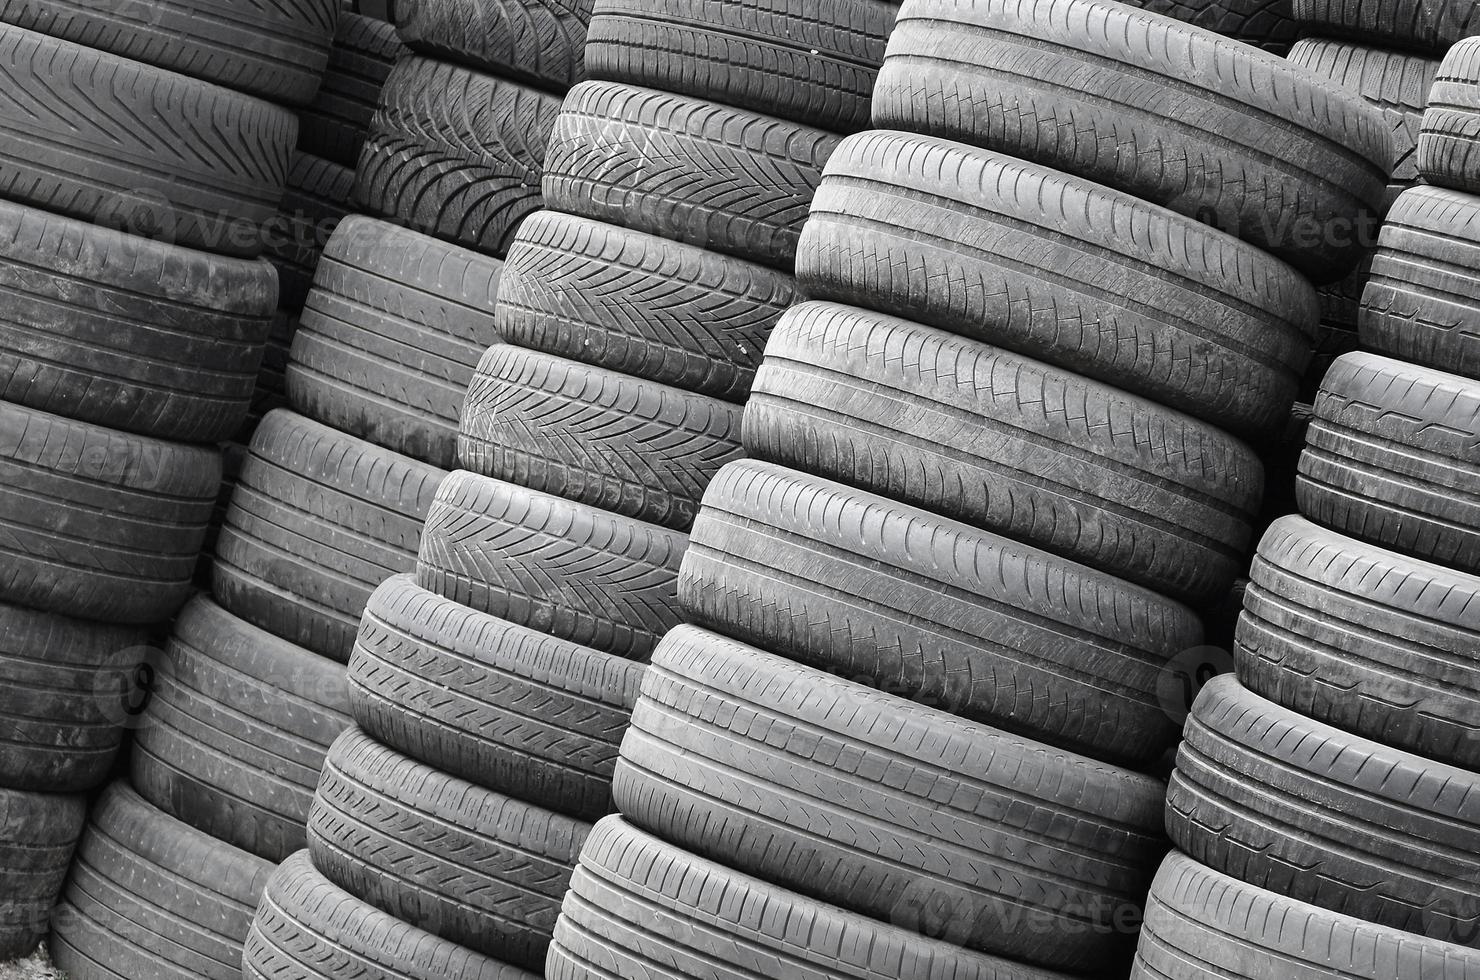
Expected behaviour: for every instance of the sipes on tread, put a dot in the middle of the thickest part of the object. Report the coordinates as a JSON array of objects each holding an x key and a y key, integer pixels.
[
  {"x": 1449, "y": 142},
  {"x": 38, "y": 834},
  {"x": 541, "y": 42},
  {"x": 314, "y": 202},
  {"x": 335, "y": 124},
  {"x": 1267, "y": 24},
  {"x": 1429, "y": 25}
]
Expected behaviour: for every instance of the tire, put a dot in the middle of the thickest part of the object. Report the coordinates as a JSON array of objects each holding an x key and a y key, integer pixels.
[
  {"x": 335, "y": 124},
  {"x": 38, "y": 833},
  {"x": 516, "y": 711},
  {"x": 691, "y": 171},
  {"x": 808, "y": 62},
  {"x": 318, "y": 520},
  {"x": 455, "y": 154},
  {"x": 861, "y": 586},
  {"x": 1393, "y": 458},
  {"x": 1366, "y": 640},
  {"x": 308, "y": 929},
  {"x": 316, "y": 200},
  {"x": 573, "y": 287},
  {"x": 1303, "y": 809},
  {"x": 236, "y": 731},
  {"x": 639, "y": 907},
  {"x": 1202, "y": 925},
  {"x": 1007, "y": 444},
  {"x": 1449, "y": 144},
  {"x": 735, "y": 755},
  {"x": 540, "y": 42},
  {"x": 477, "y": 868},
  {"x": 1062, "y": 270},
  {"x": 70, "y": 688},
  {"x": 1267, "y": 24},
  {"x": 633, "y": 447},
  {"x": 1423, "y": 24},
  {"x": 274, "y": 51},
  {"x": 1422, "y": 300},
  {"x": 114, "y": 330},
  {"x": 156, "y": 154},
  {"x": 272, "y": 386},
  {"x": 1169, "y": 113},
  {"x": 150, "y": 897},
  {"x": 97, "y": 524},
  {"x": 552, "y": 565}
]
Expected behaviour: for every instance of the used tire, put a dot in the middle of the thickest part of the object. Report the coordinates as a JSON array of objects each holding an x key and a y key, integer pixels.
[
  {"x": 500, "y": 705},
  {"x": 1267, "y": 24},
  {"x": 574, "y": 288},
  {"x": 107, "y": 328},
  {"x": 598, "y": 437},
  {"x": 1430, "y": 25},
  {"x": 334, "y": 125},
  {"x": 1449, "y": 144},
  {"x": 236, "y": 731},
  {"x": 390, "y": 336},
  {"x": 1372, "y": 642},
  {"x": 317, "y": 521},
  {"x": 814, "y": 63},
  {"x": 1311, "y": 812},
  {"x": 38, "y": 833},
  {"x": 456, "y": 154},
  {"x": 553, "y": 565},
  {"x": 315, "y": 201},
  {"x": 735, "y": 755},
  {"x": 541, "y": 42},
  {"x": 696, "y": 172},
  {"x": 935, "y": 611},
  {"x": 1393, "y": 457},
  {"x": 1170, "y": 113}
]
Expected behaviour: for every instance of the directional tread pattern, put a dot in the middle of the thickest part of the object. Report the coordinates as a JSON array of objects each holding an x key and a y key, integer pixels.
[
  {"x": 1267, "y": 24},
  {"x": 1449, "y": 144},
  {"x": 38, "y": 834},
  {"x": 1430, "y": 25},
  {"x": 541, "y": 42},
  {"x": 334, "y": 125}
]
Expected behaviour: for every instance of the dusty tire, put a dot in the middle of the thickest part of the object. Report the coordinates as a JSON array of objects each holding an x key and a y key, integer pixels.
[
  {"x": 861, "y": 586},
  {"x": 813, "y": 63},
  {"x": 697, "y": 172},
  {"x": 1210, "y": 119},
  {"x": 150, "y": 897},
  {"x": 1311, "y": 812},
  {"x": 541, "y": 42},
  {"x": 1062, "y": 270},
  {"x": 455, "y": 154},
  {"x": 734, "y": 755},
  {"x": 480, "y": 698},
  {"x": 623, "y": 444},
  {"x": 38, "y": 833},
  {"x": 1393, "y": 457},
  {"x": 1429, "y": 25},
  {"x": 1366, "y": 640},
  {"x": 315, "y": 201},
  {"x": 573, "y": 287},
  {"x": 1267, "y": 24},
  {"x": 107, "y": 328},
  {"x": 236, "y": 730},
  {"x": 390, "y": 336},
  {"x": 1449, "y": 144},
  {"x": 334, "y": 125},
  {"x": 318, "y": 520}
]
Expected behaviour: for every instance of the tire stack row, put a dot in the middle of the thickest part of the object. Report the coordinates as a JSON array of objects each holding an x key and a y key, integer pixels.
[
  {"x": 1323, "y": 801},
  {"x": 146, "y": 150}
]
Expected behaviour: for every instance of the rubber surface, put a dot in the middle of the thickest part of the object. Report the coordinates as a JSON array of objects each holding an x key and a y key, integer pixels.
[
  {"x": 1431, "y": 25},
  {"x": 335, "y": 124},
  {"x": 538, "y": 41},
  {"x": 1449, "y": 144},
  {"x": 38, "y": 833},
  {"x": 1267, "y": 24},
  {"x": 317, "y": 198}
]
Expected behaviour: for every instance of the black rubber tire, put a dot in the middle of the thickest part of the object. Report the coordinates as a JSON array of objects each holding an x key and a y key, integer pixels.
[
  {"x": 308, "y": 929},
  {"x": 480, "y": 698},
  {"x": 272, "y": 50},
  {"x": 316, "y": 200},
  {"x": 477, "y": 868},
  {"x": 1178, "y": 116},
  {"x": 1372, "y": 642},
  {"x": 935, "y": 611},
  {"x": 236, "y": 731},
  {"x": 553, "y": 565},
  {"x": 335, "y": 124},
  {"x": 318, "y": 520},
  {"x": 154, "y": 153},
  {"x": 1449, "y": 144},
  {"x": 598, "y": 437},
  {"x": 1393, "y": 458},
  {"x": 810, "y": 62},
  {"x": 150, "y": 897},
  {"x": 641, "y": 908},
  {"x": 724, "y": 179},
  {"x": 456, "y": 154},
  {"x": 99, "y": 524},
  {"x": 38, "y": 833},
  {"x": 639, "y": 304},
  {"x": 390, "y": 337},
  {"x": 71, "y": 687},
  {"x": 141, "y": 336},
  {"x": 1267, "y": 24},
  {"x": 1309, "y": 811},
  {"x": 1429, "y": 25},
  {"x": 1202, "y": 925},
  {"x": 1422, "y": 303},
  {"x": 540, "y": 42},
  {"x": 1062, "y": 270},
  {"x": 735, "y": 755}
]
